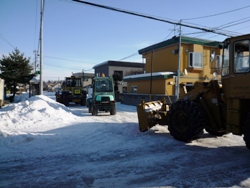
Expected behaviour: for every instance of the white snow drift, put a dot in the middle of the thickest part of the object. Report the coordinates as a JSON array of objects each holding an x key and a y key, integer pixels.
[{"x": 45, "y": 144}]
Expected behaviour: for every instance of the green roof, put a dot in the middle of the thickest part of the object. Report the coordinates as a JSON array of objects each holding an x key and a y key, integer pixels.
[{"x": 175, "y": 40}]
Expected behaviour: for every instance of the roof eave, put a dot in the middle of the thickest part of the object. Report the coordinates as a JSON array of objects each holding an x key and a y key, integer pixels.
[{"x": 175, "y": 40}]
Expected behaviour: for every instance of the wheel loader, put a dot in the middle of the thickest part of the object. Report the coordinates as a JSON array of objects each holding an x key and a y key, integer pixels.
[
  {"x": 218, "y": 106},
  {"x": 72, "y": 91}
]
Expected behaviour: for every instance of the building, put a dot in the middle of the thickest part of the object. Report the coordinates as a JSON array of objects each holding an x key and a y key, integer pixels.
[
  {"x": 86, "y": 78},
  {"x": 121, "y": 68},
  {"x": 199, "y": 60}
]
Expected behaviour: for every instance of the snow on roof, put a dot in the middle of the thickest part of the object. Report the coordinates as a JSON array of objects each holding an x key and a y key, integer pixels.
[
  {"x": 34, "y": 80},
  {"x": 147, "y": 75}
]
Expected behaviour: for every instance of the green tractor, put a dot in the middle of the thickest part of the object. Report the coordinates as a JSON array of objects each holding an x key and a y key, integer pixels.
[{"x": 101, "y": 96}]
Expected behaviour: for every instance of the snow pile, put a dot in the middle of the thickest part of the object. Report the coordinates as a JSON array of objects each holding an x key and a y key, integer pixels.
[
  {"x": 35, "y": 114},
  {"x": 45, "y": 144}
]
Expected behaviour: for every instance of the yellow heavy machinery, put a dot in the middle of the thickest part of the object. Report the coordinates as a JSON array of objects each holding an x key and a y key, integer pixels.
[
  {"x": 72, "y": 91},
  {"x": 219, "y": 107}
]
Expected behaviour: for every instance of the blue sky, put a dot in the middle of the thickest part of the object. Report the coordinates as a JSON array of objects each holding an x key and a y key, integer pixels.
[{"x": 76, "y": 37}]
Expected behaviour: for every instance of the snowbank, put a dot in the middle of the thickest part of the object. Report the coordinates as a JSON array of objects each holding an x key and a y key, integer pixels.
[{"x": 45, "y": 144}]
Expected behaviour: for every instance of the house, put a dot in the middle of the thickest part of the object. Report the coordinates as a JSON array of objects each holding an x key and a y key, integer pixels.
[
  {"x": 34, "y": 87},
  {"x": 121, "y": 68},
  {"x": 199, "y": 60}
]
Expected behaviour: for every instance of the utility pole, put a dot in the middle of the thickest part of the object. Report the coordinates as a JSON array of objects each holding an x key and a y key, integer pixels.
[
  {"x": 151, "y": 75},
  {"x": 41, "y": 48},
  {"x": 35, "y": 51},
  {"x": 177, "y": 82}
]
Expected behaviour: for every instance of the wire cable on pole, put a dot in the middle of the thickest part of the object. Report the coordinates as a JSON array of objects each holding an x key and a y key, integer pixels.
[
  {"x": 151, "y": 17},
  {"x": 217, "y": 14},
  {"x": 129, "y": 56},
  {"x": 5, "y": 40}
]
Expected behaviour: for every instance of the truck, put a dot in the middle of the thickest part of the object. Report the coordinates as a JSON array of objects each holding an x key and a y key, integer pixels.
[
  {"x": 217, "y": 106},
  {"x": 71, "y": 91},
  {"x": 101, "y": 96}
]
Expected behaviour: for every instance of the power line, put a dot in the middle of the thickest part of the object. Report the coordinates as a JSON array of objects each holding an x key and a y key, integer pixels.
[
  {"x": 129, "y": 56},
  {"x": 62, "y": 67},
  {"x": 228, "y": 33},
  {"x": 65, "y": 59},
  {"x": 230, "y": 24},
  {"x": 217, "y": 13},
  {"x": 5, "y": 40},
  {"x": 170, "y": 33},
  {"x": 227, "y": 25},
  {"x": 222, "y": 28},
  {"x": 151, "y": 17},
  {"x": 234, "y": 23}
]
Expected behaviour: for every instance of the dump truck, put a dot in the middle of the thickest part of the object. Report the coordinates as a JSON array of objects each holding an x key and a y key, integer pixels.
[
  {"x": 71, "y": 91},
  {"x": 217, "y": 106},
  {"x": 101, "y": 96}
]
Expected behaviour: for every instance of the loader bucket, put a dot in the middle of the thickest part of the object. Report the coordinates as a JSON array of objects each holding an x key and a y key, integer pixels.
[{"x": 151, "y": 113}]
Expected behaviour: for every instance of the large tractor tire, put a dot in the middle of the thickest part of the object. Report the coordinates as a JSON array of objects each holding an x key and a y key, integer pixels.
[
  {"x": 186, "y": 120},
  {"x": 113, "y": 111},
  {"x": 246, "y": 131},
  {"x": 94, "y": 111},
  {"x": 65, "y": 100},
  {"x": 83, "y": 102},
  {"x": 90, "y": 108}
]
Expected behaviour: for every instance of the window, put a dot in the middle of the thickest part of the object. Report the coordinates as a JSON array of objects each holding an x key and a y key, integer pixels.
[
  {"x": 133, "y": 89},
  {"x": 124, "y": 89},
  {"x": 103, "y": 86},
  {"x": 241, "y": 56},
  {"x": 86, "y": 78},
  {"x": 120, "y": 73},
  {"x": 73, "y": 82},
  {"x": 195, "y": 60},
  {"x": 218, "y": 61},
  {"x": 225, "y": 64}
]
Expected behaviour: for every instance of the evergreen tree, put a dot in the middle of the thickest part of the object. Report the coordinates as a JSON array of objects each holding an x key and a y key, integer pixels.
[{"x": 15, "y": 69}]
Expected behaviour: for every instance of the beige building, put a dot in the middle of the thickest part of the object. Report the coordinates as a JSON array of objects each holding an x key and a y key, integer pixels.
[{"x": 200, "y": 60}]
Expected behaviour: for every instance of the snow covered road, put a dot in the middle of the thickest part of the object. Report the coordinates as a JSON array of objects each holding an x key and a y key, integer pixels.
[{"x": 44, "y": 144}]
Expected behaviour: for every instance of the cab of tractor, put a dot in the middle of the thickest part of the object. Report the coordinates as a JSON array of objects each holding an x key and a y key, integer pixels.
[{"x": 235, "y": 76}]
